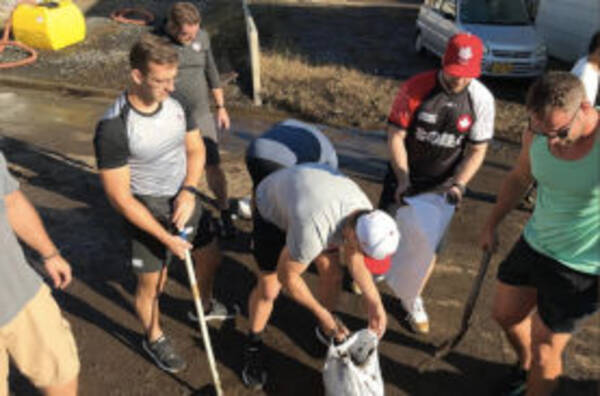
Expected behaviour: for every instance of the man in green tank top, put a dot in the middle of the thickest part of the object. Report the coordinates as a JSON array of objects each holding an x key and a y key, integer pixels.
[{"x": 549, "y": 281}]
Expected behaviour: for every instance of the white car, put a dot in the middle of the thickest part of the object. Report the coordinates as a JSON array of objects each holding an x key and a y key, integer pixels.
[{"x": 512, "y": 46}]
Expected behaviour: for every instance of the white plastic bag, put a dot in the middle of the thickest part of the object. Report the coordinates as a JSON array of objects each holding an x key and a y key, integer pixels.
[
  {"x": 422, "y": 224},
  {"x": 352, "y": 368}
]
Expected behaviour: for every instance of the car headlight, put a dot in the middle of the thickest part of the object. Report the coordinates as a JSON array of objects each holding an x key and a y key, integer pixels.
[{"x": 540, "y": 50}]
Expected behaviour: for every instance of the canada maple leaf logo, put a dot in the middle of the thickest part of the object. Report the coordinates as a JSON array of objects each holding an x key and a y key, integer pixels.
[
  {"x": 465, "y": 54},
  {"x": 463, "y": 124}
]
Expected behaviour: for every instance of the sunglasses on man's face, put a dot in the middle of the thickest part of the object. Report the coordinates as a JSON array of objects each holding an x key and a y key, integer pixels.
[{"x": 561, "y": 133}]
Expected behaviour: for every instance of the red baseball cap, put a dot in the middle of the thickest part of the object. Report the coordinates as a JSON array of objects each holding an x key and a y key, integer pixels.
[{"x": 463, "y": 56}]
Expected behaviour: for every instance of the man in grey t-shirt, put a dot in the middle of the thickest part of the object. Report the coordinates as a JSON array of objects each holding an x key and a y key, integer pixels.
[
  {"x": 32, "y": 331},
  {"x": 312, "y": 213},
  {"x": 197, "y": 80}
]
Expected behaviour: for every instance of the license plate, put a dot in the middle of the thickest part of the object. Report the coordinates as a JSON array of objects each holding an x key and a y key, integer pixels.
[{"x": 502, "y": 68}]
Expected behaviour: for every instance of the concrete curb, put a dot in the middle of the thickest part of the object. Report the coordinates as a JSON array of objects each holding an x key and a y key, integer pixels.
[{"x": 48, "y": 85}]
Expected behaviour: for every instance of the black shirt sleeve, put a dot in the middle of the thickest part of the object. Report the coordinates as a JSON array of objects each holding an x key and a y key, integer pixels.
[{"x": 110, "y": 143}]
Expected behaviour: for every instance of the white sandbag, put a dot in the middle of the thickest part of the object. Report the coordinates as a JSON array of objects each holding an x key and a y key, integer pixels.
[
  {"x": 422, "y": 224},
  {"x": 352, "y": 368}
]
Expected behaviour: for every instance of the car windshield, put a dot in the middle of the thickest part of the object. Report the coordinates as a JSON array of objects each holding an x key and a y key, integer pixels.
[{"x": 494, "y": 12}]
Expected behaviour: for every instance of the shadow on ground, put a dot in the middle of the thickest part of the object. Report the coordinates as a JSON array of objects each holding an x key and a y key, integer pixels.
[{"x": 81, "y": 221}]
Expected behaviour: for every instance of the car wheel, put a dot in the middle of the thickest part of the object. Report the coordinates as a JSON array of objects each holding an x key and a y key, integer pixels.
[{"x": 419, "y": 47}]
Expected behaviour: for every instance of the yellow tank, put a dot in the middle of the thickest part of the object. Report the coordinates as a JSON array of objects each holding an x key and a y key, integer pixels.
[{"x": 50, "y": 25}]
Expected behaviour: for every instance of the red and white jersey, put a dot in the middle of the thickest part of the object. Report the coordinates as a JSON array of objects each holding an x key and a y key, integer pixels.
[{"x": 439, "y": 124}]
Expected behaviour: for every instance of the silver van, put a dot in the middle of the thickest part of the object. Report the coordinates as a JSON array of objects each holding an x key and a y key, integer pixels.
[{"x": 513, "y": 48}]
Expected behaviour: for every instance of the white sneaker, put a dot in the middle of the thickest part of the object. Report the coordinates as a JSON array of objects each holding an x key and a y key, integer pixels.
[
  {"x": 217, "y": 311},
  {"x": 417, "y": 316},
  {"x": 244, "y": 208}
]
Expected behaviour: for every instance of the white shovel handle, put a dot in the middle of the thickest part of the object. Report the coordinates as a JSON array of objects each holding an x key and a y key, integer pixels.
[{"x": 189, "y": 266}]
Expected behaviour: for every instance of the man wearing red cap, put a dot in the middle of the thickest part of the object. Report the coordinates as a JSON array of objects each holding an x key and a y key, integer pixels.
[{"x": 439, "y": 127}]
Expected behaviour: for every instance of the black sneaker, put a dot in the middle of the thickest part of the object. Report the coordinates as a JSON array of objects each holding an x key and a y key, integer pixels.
[
  {"x": 515, "y": 383},
  {"x": 164, "y": 355},
  {"x": 226, "y": 226},
  {"x": 254, "y": 374}
]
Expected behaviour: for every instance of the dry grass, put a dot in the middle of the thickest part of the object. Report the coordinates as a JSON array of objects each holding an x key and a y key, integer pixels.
[
  {"x": 331, "y": 94},
  {"x": 344, "y": 97}
]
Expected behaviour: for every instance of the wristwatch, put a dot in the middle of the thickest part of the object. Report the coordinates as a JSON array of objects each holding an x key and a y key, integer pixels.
[{"x": 191, "y": 189}]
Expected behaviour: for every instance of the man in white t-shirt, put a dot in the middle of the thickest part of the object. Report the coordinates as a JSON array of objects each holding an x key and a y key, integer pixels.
[{"x": 588, "y": 69}]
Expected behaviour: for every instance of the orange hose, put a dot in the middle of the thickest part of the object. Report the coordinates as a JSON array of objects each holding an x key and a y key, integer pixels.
[
  {"x": 5, "y": 42},
  {"x": 120, "y": 16}
]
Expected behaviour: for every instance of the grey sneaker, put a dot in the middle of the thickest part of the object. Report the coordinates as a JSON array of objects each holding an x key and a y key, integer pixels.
[
  {"x": 217, "y": 311},
  {"x": 164, "y": 355}
]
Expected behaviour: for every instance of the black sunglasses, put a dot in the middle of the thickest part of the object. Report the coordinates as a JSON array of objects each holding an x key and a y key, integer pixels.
[{"x": 561, "y": 133}]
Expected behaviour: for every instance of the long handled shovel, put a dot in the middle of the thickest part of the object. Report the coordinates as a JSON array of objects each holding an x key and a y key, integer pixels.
[
  {"x": 446, "y": 346},
  {"x": 189, "y": 266}
]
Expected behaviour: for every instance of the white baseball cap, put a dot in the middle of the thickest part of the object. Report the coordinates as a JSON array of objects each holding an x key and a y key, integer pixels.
[{"x": 378, "y": 237}]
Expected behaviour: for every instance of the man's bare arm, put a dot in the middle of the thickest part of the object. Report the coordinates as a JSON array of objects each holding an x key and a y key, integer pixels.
[
  {"x": 289, "y": 273},
  {"x": 472, "y": 161},
  {"x": 185, "y": 202},
  {"x": 28, "y": 226},
  {"x": 363, "y": 278},
  {"x": 511, "y": 191},
  {"x": 196, "y": 157},
  {"x": 398, "y": 158},
  {"x": 222, "y": 115}
]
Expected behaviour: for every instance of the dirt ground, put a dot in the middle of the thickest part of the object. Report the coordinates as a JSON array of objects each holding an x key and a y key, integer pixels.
[{"x": 52, "y": 156}]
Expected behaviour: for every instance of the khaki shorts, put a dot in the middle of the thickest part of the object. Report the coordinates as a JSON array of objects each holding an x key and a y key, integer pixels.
[{"x": 40, "y": 343}]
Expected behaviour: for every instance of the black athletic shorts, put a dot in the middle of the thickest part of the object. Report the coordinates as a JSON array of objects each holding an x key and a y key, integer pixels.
[
  {"x": 564, "y": 296},
  {"x": 147, "y": 253},
  {"x": 260, "y": 168},
  {"x": 268, "y": 241},
  {"x": 212, "y": 152}
]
